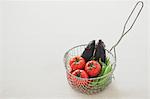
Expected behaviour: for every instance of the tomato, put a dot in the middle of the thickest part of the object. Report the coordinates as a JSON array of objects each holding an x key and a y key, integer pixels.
[
  {"x": 77, "y": 62},
  {"x": 92, "y": 68},
  {"x": 76, "y": 82},
  {"x": 80, "y": 73}
]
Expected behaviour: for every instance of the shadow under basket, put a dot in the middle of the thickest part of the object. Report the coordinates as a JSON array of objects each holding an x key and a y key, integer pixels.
[{"x": 87, "y": 85}]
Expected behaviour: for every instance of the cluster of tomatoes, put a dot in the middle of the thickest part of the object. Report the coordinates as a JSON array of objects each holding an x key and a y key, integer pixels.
[{"x": 83, "y": 69}]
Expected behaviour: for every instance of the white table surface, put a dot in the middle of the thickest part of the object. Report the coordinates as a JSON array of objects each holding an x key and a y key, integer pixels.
[{"x": 35, "y": 36}]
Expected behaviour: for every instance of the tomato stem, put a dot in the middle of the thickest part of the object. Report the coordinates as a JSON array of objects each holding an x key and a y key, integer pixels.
[
  {"x": 78, "y": 75},
  {"x": 91, "y": 65},
  {"x": 77, "y": 60}
]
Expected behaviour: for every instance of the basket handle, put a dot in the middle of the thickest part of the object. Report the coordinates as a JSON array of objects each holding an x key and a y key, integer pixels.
[{"x": 124, "y": 32}]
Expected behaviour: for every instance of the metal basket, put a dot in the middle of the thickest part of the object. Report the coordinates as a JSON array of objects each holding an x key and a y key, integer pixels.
[{"x": 86, "y": 85}]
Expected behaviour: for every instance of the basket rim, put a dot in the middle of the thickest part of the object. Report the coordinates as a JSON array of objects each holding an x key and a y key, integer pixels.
[{"x": 110, "y": 73}]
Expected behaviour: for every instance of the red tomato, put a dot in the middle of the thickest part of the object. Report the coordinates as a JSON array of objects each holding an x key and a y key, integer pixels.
[
  {"x": 80, "y": 73},
  {"x": 78, "y": 82},
  {"x": 92, "y": 68},
  {"x": 77, "y": 62}
]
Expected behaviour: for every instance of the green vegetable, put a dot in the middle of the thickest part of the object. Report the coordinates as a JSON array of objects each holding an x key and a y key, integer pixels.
[
  {"x": 107, "y": 69},
  {"x": 103, "y": 69},
  {"x": 94, "y": 83},
  {"x": 107, "y": 62},
  {"x": 102, "y": 81}
]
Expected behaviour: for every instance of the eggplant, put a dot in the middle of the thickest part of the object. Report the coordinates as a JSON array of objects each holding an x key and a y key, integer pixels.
[
  {"x": 89, "y": 50},
  {"x": 100, "y": 51}
]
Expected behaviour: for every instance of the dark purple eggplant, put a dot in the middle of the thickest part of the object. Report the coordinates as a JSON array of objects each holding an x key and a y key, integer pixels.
[
  {"x": 100, "y": 51},
  {"x": 89, "y": 50}
]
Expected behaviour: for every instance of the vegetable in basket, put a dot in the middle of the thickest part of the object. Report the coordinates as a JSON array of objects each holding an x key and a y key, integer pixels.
[
  {"x": 91, "y": 64},
  {"x": 92, "y": 68},
  {"x": 89, "y": 50},
  {"x": 93, "y": 60},
  {"x": 77, "y": 62},
  {"x": 100, "y": 51},
  {"x": 80, "y": 73}
]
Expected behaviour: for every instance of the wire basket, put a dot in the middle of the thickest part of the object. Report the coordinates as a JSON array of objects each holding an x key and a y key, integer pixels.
[{"x": 88, "y": 85}]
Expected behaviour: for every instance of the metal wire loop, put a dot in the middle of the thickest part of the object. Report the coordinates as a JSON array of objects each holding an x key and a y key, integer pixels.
[{"x": 124, "y": 28}]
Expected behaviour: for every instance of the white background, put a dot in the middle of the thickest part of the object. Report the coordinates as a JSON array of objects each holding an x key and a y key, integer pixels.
[{"x": 35, "y": 36}]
